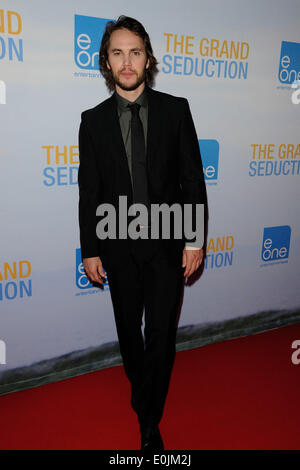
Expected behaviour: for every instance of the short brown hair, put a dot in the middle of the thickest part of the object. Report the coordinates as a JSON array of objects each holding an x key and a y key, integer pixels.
[{"x": 125, "y": 22}]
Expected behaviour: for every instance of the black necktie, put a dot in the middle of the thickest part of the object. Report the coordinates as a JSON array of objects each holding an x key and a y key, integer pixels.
[{"x": 138, "y": 158}]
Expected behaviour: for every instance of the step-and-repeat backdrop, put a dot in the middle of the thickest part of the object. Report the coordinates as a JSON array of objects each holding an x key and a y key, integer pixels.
[{"x": 237, "y": 63}]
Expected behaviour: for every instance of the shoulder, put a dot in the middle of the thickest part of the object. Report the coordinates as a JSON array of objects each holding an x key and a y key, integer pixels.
[
  {"x": 168, "y": 98},
  {"x": 173, "y": 105},
  {"x": 94, "y": 113}
]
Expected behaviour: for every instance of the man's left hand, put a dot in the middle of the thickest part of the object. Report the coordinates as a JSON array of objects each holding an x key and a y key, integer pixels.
[{"x": 191, "y": 260}]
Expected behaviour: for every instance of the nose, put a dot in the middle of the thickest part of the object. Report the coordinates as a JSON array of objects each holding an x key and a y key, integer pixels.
[{"x": 126, "y": 59}]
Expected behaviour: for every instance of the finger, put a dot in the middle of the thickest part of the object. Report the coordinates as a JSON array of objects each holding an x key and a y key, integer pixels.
[
  {"x": 198, "y": 262},
  {"x": 101, "y": 271},
  {"x": 100, "y": 278},
  {"x": 193, "y": 267},
  {"x": 190, "y": 262},
  {"x": 188, "y": 268},
  {"x": 96, "y": 277}
]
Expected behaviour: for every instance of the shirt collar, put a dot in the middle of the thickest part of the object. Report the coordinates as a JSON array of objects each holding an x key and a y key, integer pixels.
[{"x": 123, "y": 102}]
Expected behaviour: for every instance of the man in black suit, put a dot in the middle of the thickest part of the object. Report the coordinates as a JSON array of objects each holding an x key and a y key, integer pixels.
[{"x": 142, "y": 144}]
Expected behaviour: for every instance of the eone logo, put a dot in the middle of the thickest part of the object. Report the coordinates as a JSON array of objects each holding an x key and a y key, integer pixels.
[
  {"x": 82, "y": 281},
  {"x": 2, "y": 352},
  {"x": 88, "y": 34},
  {"x": 209, "y": 149},
  {"x": 289, "y": 63},
  {"x": 2, "y": 92},
  {"x": 276, "y": 243}
]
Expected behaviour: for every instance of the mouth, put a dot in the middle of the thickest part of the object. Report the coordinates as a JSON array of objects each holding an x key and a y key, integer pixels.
[{"x": 127, "y": 74}]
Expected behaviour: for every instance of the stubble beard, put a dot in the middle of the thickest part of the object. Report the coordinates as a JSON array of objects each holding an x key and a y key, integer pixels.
[{"x": 140, "y": 79}]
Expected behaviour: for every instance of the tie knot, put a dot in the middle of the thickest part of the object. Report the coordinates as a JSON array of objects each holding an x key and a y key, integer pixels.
[{"x": 134, "y": 107}]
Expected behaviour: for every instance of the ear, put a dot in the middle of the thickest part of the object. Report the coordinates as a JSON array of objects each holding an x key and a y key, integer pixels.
[
  {"x": 107, "y": 65},
  {"x": 148, "y": 64}
]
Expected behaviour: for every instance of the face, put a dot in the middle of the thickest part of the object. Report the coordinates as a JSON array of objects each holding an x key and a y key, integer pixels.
[{"x": 127, "y": 59}]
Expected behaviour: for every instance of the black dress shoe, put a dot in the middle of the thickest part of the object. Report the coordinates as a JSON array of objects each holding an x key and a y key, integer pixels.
[{"x": 151, "y": 439}]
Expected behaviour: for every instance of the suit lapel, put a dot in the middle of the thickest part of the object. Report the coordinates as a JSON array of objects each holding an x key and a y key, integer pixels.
[
  {"x": 154, "y": 129},
  {"x": 116, "y": 139},
  {"x": 155, "y": 124}
]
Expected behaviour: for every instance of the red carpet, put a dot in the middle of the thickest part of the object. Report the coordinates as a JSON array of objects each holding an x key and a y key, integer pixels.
[{"x": 237, "y": 394}]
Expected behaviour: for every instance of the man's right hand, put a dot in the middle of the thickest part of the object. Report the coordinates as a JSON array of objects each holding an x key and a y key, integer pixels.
[{"x": 94, "y": 270}]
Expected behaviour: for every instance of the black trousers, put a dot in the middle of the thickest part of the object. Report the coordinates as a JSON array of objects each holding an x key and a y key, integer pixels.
[{"x": 148, "y": 282}]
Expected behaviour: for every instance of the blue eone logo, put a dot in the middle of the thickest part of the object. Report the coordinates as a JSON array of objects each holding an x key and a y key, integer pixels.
[
  {"x": 289, "y": 65},
  {"x": 276, "y": 243},
  {"x": 88, "y": 34},
  {"x": 209, "y": 150},
  {"x": 82, "y": 281}
]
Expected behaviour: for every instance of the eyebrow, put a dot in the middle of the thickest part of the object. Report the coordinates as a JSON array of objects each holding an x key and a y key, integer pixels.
[{"x": 133, "y": 49}]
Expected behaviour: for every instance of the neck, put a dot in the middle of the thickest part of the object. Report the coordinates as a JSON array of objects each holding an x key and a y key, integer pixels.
[{"x": 131, "y": 95}]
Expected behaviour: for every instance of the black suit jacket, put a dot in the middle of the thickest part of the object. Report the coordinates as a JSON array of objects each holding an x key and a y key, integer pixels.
[{"x": 174, "y": 167}]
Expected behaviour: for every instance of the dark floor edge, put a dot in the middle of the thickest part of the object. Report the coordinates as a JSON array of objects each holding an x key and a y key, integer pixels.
[{"x": 188, "y": 337}]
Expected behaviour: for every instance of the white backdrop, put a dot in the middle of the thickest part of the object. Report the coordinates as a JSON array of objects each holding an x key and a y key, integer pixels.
[{"x": 247, "y": 125}]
